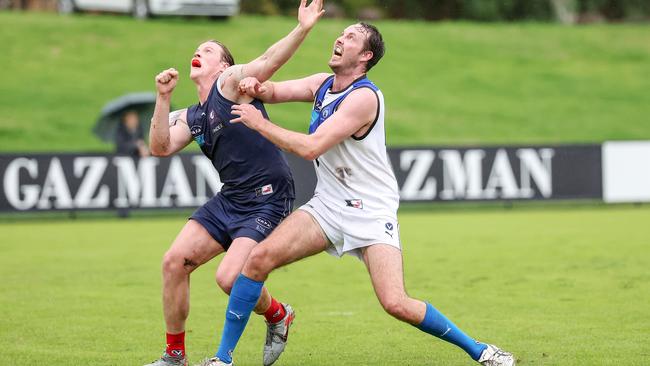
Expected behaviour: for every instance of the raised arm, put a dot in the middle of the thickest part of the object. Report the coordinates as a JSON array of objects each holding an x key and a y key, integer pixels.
[
  {"x": 299, "y": 90},
  {"x": 168, "y": 133},
  {"x": 278, "y": 54},
  {"x": 353, "y": 118}
]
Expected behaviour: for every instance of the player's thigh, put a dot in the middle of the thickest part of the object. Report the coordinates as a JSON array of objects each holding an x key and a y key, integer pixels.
[
  {"x": 192, "y": 247},
  {"x": 233, "y": 262},
  {"x": 384, "y": 263},
  {"x": 298, "y": 236}
]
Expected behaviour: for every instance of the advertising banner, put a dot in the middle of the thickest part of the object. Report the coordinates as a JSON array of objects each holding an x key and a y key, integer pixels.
[{"x": 43, "y": 182}]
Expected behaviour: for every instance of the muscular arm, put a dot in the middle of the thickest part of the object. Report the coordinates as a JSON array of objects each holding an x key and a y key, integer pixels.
[
  {"x": 277, "y": 55},
  {"x": 168, "y": 133},
  {"x": 354, "y": 116},
  {"x": 163, "y": 139},
  {"x": 299, "y": 90}
]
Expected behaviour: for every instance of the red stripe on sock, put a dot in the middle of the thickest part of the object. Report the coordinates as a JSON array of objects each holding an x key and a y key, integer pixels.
[{"x": 275, "y": 313}]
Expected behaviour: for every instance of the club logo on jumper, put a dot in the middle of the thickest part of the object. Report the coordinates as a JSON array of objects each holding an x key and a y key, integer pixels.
[
  {"x": 325, "y": 113},
  {"x": 389, "y": 226},
  {"x": 197, "y": 134},
  {"x": 264, "y": 222},
  {"x": 196, "y": 130},
  {"x": 264, "y": 190},
  {"x": 211, "y": 115},
  {"x": 354, "y": 203},
  {"x": 342, "y": 174}
]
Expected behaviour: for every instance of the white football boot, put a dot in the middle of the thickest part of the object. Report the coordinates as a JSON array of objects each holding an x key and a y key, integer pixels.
[
  {"x": 214, "y": 361},
  {"x": 276, "y": 336},
  {"x": 169, "y": 360},
  {"x": 494, "y": 356}
]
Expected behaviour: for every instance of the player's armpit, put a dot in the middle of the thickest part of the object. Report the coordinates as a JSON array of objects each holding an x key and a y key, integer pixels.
[{"x": 230, "y": 84}]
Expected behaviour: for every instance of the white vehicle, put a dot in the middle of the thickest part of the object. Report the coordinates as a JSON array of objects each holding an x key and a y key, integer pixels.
[{"x": 145, "y": 8}]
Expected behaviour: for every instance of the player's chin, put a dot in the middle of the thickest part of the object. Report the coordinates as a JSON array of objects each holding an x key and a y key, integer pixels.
[
  {"x": 195, "y": 72},
  {"x": 334, "y": 65}
]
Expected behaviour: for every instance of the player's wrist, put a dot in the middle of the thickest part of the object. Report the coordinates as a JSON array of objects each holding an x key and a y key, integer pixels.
[
  {"x": 165, "y": 96},
  {"x": 261, "y": 124},
  {"x": 303, "y": 29}
]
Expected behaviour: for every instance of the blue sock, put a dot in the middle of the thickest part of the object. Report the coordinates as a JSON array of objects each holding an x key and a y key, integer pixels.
[
  {"x": 438, "y": 325},
  {"x": 243, "y": 297}
]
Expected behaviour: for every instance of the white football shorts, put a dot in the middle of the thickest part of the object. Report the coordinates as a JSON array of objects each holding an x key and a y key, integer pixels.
[{"x": 351, "y": 229}]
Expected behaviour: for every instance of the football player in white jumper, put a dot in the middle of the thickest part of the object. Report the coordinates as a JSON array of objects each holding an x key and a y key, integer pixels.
[{"x": 354, "y": 208}]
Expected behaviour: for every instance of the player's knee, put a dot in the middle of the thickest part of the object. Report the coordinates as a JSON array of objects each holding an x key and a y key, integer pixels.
[
  {"x": 225, "y": 280},
  {"x": 395, "y": 306},
  {"x": 259, "y": 262},
  {"x": 172, "y": 264}
]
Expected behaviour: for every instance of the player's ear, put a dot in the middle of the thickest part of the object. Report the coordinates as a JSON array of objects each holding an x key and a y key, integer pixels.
[{"x": 367, "y": 55}]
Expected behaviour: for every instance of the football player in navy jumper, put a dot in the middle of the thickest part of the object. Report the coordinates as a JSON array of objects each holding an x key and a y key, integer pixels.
[{"x": 257, "y": 190}]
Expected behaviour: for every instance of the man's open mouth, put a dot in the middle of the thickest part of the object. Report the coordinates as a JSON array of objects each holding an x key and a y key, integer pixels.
[{"x": 338, "y": 50}]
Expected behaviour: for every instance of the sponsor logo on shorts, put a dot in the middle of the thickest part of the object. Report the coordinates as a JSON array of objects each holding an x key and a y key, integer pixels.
[
  {"x": 389, "y": 229},
  {"x": 264, "y": 222},
  {"x": 354, "y": 203}
]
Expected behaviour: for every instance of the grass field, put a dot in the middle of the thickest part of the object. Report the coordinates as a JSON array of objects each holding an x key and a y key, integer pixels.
[
  {"x": 445, "y": 83},
  {"x": 557, "y": 287}
]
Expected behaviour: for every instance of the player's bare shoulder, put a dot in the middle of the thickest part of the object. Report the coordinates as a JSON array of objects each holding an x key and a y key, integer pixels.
[
  {"x": 361, "y": 103},
  {"x": 178, "y": 117},
  {"x": 230, "y": 82},
  {"x": 316, "y": 81}
]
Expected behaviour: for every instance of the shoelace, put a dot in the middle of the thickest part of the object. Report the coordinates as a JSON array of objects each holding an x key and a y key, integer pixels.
[{"x": 270, "y": 334}]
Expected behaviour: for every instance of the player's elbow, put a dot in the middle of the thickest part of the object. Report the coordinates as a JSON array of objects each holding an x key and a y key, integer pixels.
[
  {"x": 310, "y": 154},
  {"x": 159, "y": 151}
]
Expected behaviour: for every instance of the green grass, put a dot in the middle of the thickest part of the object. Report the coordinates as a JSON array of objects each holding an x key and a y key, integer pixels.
[
  {"x": 557, "y": 287},
  {"x": 445, "y": 83}
]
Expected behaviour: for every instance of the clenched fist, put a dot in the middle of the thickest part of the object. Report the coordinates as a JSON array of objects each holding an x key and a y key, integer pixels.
[
  {"x": 166, "y": 81},
  {"x": 252, "y": 87}
]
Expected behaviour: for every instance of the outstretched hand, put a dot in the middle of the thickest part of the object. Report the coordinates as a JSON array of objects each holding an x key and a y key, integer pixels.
[
  {"x": 248, "y": 115},
  {"x": 309, "y": 15}
]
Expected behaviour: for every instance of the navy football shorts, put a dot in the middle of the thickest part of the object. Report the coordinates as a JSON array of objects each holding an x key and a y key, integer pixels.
[{"x": 226, "y": 220}]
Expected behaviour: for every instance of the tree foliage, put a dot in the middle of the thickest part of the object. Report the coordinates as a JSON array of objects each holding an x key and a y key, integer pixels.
[{"x": 481, "y": 10}]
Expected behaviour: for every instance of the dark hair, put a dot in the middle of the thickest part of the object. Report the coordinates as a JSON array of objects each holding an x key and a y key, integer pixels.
[
  {"x": 374, "y": 43},
  {"x": 226, "y": 56}
]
